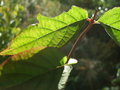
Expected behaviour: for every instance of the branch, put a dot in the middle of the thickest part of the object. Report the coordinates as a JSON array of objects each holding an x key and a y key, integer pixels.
[{"x": 91, "y": 22}]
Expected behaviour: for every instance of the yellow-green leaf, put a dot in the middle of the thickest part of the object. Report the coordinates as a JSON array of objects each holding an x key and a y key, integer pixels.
[
  {"x": 111, "y": 18},
  {"x": 111, "y": 22},
  {"x": 49, "y": 32}
]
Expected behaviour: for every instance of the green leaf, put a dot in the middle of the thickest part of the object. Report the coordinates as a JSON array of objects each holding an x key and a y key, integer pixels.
[
  {"x": 111, "y": 18},
  {"x": 111, "y": 22},
  {"x": 40, "y": 72},
  {"x": 113, "y": 33},
  {"x": 49, "y": 32},
  {"x": 26, "y": 54}
]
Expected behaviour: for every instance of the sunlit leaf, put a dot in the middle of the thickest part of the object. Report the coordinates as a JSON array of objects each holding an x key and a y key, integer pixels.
[
  {"x": 111, "y": 22},
  {"x": 26, "y": 54},
  {"x": 49, "y": 32},
  {"x": 111, "y": 18}
]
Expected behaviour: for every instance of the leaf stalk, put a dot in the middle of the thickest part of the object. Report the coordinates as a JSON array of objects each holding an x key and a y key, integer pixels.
[
  {"x": 89, "y": 26},
  {"x": 6, "y": 61}
]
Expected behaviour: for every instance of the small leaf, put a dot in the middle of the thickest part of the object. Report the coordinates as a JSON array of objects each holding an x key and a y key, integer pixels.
[
  {"x": 37, "y": 73},
  {"x": 64, "y": 77},
  {"x": 49, "y": 32},
  {"x": 111, "y": 18},
  {"x": 66, "y": 72}
]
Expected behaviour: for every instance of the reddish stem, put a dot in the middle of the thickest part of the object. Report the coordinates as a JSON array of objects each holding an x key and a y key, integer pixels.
[
  {"x": 6, "y": 61},
  {"x": 91, "y": 22}
]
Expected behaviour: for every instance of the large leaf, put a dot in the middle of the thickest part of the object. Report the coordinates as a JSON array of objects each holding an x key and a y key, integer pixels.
[
  {"x": 113, "y": 33},
  {"x": 40, "y": 72},
  {"x": 111, "y": 22},
  {"x": 111, "y": 18},
  {"x": 49, "y": 32},
  {"x": 26, "y": 54}
]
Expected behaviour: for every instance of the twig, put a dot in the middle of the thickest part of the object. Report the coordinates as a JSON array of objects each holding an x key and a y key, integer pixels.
[
  {"x": 82, "y": 35},
  {"x": 6, "y": 61}
]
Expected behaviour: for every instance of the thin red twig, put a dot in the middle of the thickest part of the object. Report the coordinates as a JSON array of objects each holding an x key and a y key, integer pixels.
[
  {"x": 6, "y": 61},
  {"x": 81, "y": 36}
]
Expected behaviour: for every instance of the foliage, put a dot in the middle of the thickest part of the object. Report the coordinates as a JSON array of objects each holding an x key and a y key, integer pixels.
[
  {"x": 11, "y": 16},
  {"x": 34, "y": 74},
  {"x": 41, "y": 68},
  {"x": 112, "y": 24},
  {"x": 46, "y": 35}
]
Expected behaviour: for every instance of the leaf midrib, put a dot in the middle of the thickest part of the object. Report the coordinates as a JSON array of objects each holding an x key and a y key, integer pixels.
[{"x": 42, "y": 37}]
